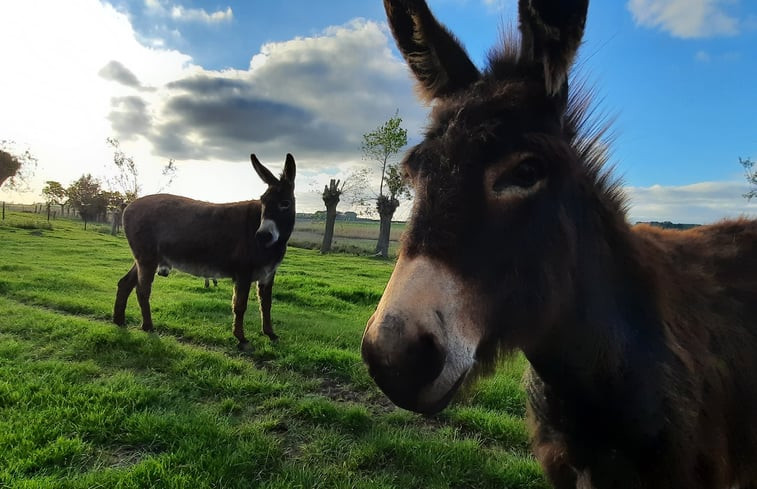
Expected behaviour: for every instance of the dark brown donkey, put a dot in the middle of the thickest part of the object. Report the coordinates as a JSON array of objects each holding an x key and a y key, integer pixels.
[
  {"x": 642, "y": 342},
  {"x": 244, "y": 241}
]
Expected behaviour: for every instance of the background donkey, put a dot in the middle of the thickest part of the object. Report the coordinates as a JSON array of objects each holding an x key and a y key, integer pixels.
[
  {"x": 642, "y": 342},
  {"x": 245, "y": 241}
]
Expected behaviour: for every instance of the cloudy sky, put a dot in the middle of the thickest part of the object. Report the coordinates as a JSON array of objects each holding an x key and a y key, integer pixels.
[{"x": 207, "y": 83}]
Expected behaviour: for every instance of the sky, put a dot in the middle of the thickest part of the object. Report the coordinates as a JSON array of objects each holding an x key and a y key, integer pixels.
[{"x": 208, "y": 83}]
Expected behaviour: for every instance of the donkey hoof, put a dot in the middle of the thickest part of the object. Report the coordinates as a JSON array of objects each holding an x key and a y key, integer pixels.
[
  {"x": 244, "y": 346},
  {"x": 273, "y": 337},
  {"x": 119, "y": 321},
  {"x": 148, "y": 328}
]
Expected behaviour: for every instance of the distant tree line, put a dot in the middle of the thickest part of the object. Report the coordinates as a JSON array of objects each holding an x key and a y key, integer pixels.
[
  {"x": 669, "y": 225},
  {"x": 91, "y": 198}
]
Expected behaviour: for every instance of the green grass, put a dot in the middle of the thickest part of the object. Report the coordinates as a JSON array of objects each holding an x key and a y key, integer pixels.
[{"x": 84, "y": 403}]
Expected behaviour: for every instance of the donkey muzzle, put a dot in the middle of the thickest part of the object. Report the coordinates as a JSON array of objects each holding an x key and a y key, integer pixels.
[
  {"x": 267, "y": 234},
  {"x": 417, "y": 345}
]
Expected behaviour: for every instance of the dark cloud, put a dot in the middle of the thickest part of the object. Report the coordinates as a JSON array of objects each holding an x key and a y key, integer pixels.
[
  {"x": 219, "y": 126},
  {"x": 210, "y": 85},
  {"x": 115, "y": 71},
  {"x": 129, "y": 117},
  {"x": 314, "y": 97}
]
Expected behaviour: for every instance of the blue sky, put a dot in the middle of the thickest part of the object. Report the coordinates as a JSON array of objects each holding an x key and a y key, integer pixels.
[{"x": 207, "y": 83}]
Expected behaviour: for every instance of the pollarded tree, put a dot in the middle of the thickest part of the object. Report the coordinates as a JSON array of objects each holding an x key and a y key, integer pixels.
[
  {"x": 397, "y": 189},
  {"x": 332, "y": 193},
  {"x": 382, "y": 145},
  {"x": 15, "y": 167},
  {"x": 353, "y": 187}
]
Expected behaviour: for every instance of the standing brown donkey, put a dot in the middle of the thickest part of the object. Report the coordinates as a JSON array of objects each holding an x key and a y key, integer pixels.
[
  {"x": 244, "y": 241},
  {"x": 642, "y": 342}
]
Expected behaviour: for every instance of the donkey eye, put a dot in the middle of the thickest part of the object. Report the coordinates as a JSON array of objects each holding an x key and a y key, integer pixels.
[
  {"x": 528, "y": 173},
  {"x": 285, "y": 205}
]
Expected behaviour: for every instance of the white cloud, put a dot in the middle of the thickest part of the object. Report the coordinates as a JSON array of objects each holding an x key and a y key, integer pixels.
[
  {"x": 200, "y": 15},
  {"x": 312, "y": 96},
  {"x": 698, "y": 203},
  {"x": 500, "y": 6},
  {"x": 82, "y": 81},
  {"x": 686, "y": 18},
  {"x": 55, "y": 103},
  {"x": 161, "y": 8},
  {"x": 703, "y": 56}
]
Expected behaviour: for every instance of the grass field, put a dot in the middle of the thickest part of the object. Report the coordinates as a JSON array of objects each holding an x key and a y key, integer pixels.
[
  {"x": 85, "y": 404},
  {"x": 351, "y": 237}
]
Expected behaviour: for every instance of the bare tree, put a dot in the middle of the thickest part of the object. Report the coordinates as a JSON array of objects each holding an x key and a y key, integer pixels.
[
  {"x": 354, "y": 188},
  {"x": 169, "y": 172},
  {"x": 127, "y": 184},
  {"x": 126, "y": 180},
  {"x": 751, "y": 177}
]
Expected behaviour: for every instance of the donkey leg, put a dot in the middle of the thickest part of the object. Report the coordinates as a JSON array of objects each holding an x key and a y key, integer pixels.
[
  {"x": 265, "y": 289},
  {"x": 145, "y": 276},
  {"x": 125, "y": 286},
  {"x": 239, "y": 306}
]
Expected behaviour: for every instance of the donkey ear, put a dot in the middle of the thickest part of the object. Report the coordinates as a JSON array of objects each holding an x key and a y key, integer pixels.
[
  {"x": 436, "y": 57},
  {"x": 552, "y": 31},
  {"x": 290, "y": 169},
  {"x": 263, "y": 172}
]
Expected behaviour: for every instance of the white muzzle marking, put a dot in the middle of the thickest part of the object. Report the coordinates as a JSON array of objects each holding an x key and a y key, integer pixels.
[
  {"x": 269, "y": 225},
  {"x": 435, "y": 300}
]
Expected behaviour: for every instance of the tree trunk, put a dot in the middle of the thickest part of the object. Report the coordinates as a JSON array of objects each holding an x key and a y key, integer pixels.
[
  {"x": 331, "y": 195},
  {"x": 328, "y": 234},
  {"x": 386, "y": 208}
]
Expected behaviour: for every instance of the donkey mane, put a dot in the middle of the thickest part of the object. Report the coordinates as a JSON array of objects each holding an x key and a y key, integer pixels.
[{"x": 589, "y": 132}]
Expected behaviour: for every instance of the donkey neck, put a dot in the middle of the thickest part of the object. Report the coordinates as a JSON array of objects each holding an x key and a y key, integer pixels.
[{"x": 612, "y": 331}]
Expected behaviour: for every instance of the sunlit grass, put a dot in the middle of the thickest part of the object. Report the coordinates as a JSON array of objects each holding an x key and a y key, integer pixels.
[{"x": 84, "y": 403}]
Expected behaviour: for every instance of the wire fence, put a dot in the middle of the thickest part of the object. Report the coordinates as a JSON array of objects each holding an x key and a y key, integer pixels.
[{"x": 52, "y": 211}]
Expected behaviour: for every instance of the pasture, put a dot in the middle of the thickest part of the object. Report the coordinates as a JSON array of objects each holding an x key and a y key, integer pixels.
[
  {"x": 84, "y": 403},
  {"x": 351, "y": 237}
]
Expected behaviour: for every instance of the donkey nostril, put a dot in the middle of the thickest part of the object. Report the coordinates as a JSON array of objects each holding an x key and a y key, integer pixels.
[
  {"x": 402, "y": 366},
  {"x": 426, "y": 359},
  {"x": 263, "y": 237}
]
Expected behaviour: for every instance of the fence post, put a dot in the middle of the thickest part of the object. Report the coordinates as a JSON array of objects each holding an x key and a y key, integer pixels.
[{"x": 3, "y": 210}]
